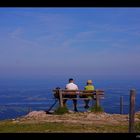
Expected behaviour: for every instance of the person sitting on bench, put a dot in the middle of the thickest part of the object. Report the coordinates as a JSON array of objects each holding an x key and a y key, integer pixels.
[
  {"x": 71, "y": 86},
  {"x": 89, "y": 86}
]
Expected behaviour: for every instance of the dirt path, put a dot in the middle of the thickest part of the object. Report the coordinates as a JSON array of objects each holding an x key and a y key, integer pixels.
[{"x": 80, "y": 118}]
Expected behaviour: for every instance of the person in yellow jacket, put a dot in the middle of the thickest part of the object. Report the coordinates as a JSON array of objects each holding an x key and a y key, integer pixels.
[{"x": 89, "y": 86}]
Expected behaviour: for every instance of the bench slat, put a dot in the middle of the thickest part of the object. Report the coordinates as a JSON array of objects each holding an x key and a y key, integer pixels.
[{"x": 79, "y": 98}]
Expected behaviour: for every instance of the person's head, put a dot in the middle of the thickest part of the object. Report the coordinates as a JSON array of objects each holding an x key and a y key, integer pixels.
[
  {"x": 89, "y": 82},
  {"x": 71, "y": 80}
]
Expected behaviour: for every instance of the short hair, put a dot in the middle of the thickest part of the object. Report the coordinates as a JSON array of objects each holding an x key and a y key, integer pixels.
[{"x": 70, "y": 79}]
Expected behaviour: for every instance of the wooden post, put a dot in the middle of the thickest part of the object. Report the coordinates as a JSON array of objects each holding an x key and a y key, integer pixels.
[
  {"x": 60, "y": 99},
  {"x": 97, "y": 98},
  {"x": 132, "y": 110},
  {"x": 121, "y": 105}
]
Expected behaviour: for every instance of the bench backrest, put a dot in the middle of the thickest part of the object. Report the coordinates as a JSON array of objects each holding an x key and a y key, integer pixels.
[{"x": 77, "y": 92}]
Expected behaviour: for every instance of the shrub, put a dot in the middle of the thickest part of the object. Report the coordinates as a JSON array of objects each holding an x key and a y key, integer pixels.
[
  {"x": 61, "y": 110},
  {"x": 96, "y": 108}
]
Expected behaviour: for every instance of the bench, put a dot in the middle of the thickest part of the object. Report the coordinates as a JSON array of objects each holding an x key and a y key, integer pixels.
[{"x": 95, "y": 95}]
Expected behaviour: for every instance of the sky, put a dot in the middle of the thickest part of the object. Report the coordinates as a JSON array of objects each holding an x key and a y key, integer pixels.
[{"x": 40, "y": 42}]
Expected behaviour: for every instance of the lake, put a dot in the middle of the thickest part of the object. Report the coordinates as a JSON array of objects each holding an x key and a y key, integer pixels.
[{"x": 18, "y": 97}]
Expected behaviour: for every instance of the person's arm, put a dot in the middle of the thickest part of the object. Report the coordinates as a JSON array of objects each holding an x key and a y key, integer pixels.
[{"x": 85, "y": 88}]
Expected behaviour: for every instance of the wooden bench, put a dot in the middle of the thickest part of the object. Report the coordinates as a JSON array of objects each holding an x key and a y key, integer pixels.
[{"x": 95, "y": 95}]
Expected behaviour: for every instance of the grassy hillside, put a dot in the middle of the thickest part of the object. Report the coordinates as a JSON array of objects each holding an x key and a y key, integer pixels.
[{"x": 12, "y": 127}]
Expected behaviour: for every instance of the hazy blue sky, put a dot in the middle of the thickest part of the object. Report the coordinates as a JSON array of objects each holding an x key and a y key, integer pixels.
[{"x": 37, "y": 42}]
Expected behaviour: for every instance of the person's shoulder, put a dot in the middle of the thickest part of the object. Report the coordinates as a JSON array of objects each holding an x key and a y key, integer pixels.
[{"x": 75, "y": 84}]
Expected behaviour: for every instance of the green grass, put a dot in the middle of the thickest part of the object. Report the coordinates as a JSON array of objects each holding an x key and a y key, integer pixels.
[
  {"x": 137, "y": 128},
  {"x": 96, "y": 108},
  {"x": 61, "y": 110},
  {"x": 10, "y": 127}
]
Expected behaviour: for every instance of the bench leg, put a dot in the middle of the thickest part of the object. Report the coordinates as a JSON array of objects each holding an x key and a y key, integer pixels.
[{"x": 60, "y": 99}]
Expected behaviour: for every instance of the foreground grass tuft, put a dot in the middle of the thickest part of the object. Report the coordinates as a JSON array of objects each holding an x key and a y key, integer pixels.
[
  {"x": 96, "y": 108},
  {"x": 61, "y": 110}
]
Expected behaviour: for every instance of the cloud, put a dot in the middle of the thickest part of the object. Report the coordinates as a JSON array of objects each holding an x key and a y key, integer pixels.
[
  {"x": 85, "y": 35},
  {"x": 57, "y": 22},
  {"x": 17, "y": 33}
]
